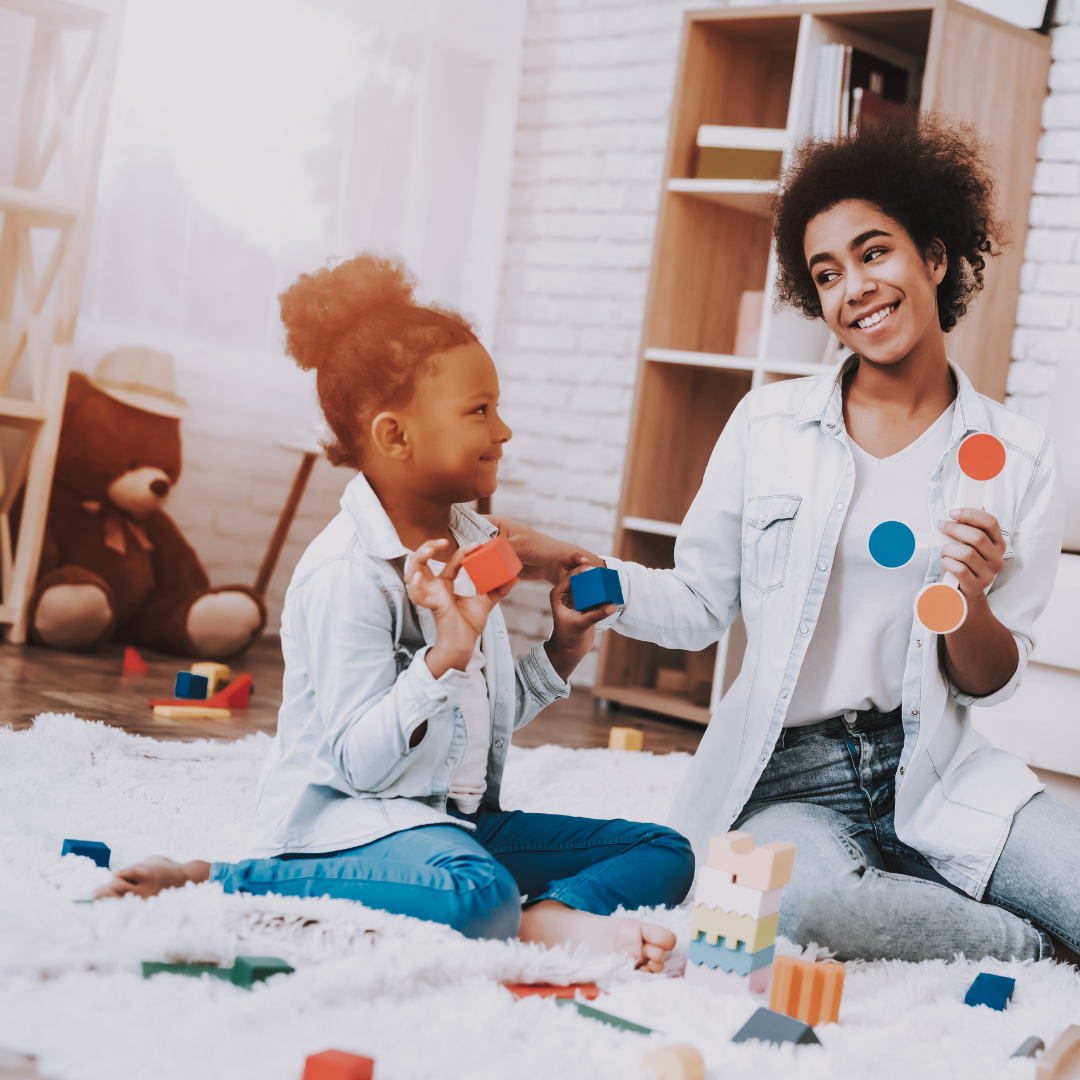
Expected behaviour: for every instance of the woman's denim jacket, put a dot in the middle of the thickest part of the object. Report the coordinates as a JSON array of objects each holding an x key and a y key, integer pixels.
[
  {"x": 760, "y": 537},
  {"x": 340, "y": 772}
]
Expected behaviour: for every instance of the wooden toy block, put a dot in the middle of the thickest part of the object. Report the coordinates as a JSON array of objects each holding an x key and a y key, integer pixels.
[
  {"x": 190, "y": 687},
  {"x": 217, "y": 675},
  {"x": 234, "y": 696},
  {"x": 679, "y": 1062},
  {"x": 774, "y": 1027},
  {"x": 764, "y": 867},
  {"x": 1062, "y": 1060},
  {"x": 605, "y": 1018},
  {"x": 594, "y": 587},
  {"x": 714, "y": 924},
  {"x": 91, "y": 849},
  {"x": 134, "y": 664},
  {"x": 338, "y": 1065},
  {"x": 492, "y": 565},
  {"x": 1029, "y": 1047},
  {"x": 991, "y": 990},
  {"x": 729, "y": 982},
  {"x": 190, "y": 712},
  {"x": 589, "y": 991},
  {"x": 807, "y": 991},
  {"x": 737, "y": 960},
  {"x": 715, "y": 889},
  {"x": 245, "y": 971},
  {"x": 624, "y": 738}
]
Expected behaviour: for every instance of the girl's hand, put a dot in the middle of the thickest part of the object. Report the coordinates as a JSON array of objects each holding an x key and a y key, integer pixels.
[
  {"x": 574, "y": 631},
  {"x": 459, "y": 620},
  {"x": 544, "y": 558},
  {"x": 978, "y": 553}
]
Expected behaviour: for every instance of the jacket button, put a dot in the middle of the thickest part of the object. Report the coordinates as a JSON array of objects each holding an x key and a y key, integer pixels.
[
  {"x": 498, "y": 744},
  {"x": 914, "y": 712},
  {"x": 839, "y": 506},
  {"x": 804, "y": 629},
  {"x": 918, "y": 643},
  {"x": 783, "y": 693},
  {"x": 823, "y": 566},
  {"x": 506, "y": 691},
  {"x": 900, "y": 771},
  {"x": 765, "y": 756},
  {"x": 502, "y": 633}
]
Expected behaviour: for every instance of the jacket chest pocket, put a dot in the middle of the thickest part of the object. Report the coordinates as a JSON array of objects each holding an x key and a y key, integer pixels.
[{"x": 767, "y": 526}]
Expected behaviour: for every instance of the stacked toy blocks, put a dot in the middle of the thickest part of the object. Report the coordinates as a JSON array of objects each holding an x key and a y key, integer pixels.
[
  {"x": 202, "y": 694},
  {"x": 736, "y": 912},
  {"x": 807, "y": 991}
]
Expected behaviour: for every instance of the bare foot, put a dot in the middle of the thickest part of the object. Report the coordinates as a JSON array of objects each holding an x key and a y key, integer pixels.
[
  {"x": 150, "y": 877},
  {"x": 552, "y": 923}
]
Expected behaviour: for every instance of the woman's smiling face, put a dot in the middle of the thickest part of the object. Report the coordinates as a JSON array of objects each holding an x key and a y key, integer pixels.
[{"x": 878, "y": 292}]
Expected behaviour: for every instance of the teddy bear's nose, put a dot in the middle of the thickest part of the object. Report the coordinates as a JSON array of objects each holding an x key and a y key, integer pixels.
[{"x": 160, "y": 488}]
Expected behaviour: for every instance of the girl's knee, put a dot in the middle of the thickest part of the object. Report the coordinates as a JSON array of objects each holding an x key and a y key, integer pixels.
[
  {"x": 672, "y": 865},
  {"x": 489, "y": 904}
]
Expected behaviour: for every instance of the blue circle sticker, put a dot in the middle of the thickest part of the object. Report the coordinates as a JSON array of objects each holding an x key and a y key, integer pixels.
[{"x": 892, "y": 544}]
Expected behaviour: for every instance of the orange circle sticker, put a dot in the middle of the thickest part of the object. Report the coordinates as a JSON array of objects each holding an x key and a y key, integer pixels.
[
  {"x": 981, "y": 457},
  {"x": 941, "y": 608}
]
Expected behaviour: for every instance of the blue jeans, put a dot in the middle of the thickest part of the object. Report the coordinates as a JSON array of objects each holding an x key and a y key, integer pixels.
[
  {"x": 474, "y": 882},
  {"x": 858, "y": 890}
]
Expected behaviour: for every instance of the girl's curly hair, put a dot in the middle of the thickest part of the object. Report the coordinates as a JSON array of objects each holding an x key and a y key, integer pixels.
[
  {"x": 930, "y": 174},
  {"x": 359, "y": 326}
]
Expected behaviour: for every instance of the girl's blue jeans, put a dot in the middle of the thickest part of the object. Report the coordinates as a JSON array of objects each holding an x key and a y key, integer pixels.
[
  {"x": 476, "y": 882},
  {"x": 829, "y": 789}
]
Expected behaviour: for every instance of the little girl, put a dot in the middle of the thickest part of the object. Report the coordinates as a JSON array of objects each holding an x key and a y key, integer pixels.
[{"x": 400, "y": 692}]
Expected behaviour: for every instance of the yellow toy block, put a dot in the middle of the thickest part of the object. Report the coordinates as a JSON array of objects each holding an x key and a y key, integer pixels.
[
  {"x": 217, "y": 676},
  {"x": 766, "y": 867},
  {"x": 191, "y": 712},
  {"x": 678, "y": 1062},
  {"x": 624, "y": 738},
  {"x": 733, "y": 928}
]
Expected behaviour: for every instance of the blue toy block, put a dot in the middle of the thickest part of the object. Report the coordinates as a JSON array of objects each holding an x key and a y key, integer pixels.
[
  {"x": 774, "y": 1027},
  {"x": 595, "y": 587},
  {"x": 720, "y": 956},
  {"x": 992, "y": 990},
  {"x": 92, "y": 849},
  {"x": 191, "y": 686}
]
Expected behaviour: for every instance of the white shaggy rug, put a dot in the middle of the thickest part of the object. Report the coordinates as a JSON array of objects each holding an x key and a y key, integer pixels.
[{"x": 421, "y": 999}]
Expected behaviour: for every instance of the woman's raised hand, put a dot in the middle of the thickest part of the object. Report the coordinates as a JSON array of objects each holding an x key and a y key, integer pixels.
[
  {"x": 459, "y": 620},
  {"x": 543, "y": 557}
]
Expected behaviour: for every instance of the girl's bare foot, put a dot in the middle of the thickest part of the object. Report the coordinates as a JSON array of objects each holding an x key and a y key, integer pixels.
[
  {"x": 150, "y": 877},
  {"x": 552, "y": 923}
]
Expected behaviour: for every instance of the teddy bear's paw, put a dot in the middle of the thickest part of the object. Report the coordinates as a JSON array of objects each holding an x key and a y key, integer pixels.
[
  {"x": 72, "y": 616},
  {"x": 222, "y": 623}
]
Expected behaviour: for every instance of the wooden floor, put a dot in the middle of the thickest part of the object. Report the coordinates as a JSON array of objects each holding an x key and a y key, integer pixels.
[{"x": 35, "y": 680}]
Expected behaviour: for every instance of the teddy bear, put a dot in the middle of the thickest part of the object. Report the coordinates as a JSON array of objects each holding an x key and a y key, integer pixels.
[{"x": 113, "y": 563}]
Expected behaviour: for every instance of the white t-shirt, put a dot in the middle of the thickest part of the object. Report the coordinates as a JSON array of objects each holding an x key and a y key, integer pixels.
[
  {"x": 856, "y": 657},
  {"x": 469, "y": 780}
]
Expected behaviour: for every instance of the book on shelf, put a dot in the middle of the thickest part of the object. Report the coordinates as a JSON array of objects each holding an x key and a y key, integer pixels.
[
  {"x": 850, "y": 85},
  {"x": 739, "y": 153}
]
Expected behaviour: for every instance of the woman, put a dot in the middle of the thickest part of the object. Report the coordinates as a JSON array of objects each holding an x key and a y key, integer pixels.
[{"x": 847, "y": 731}]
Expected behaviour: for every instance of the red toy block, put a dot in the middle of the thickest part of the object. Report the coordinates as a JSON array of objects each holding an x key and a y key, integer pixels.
[
  {"x": 491, "y": 565},
  {"x": 338, "y": 1065},
  {"x": 589, "y": 991},
  {"x": 134, "y": 664},
  {"x": 234, "y": 696}
]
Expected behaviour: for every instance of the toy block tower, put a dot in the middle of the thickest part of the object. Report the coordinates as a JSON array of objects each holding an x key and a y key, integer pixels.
[{"x": 736, "y": 912}]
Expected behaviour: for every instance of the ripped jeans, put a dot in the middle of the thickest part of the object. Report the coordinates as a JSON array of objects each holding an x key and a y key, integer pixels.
[{"x": 856, "y": 889}]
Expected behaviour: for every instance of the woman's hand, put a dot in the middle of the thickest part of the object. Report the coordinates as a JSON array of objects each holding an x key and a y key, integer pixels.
[
  {"x": 459, "y": 620},
  {"x": 544, "y": 558},
  {"x": 982, "y": 655},
  {"x": 574, "y": 631}
]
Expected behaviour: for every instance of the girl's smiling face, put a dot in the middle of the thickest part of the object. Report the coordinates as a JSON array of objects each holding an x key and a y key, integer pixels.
[{"x": 878, "y": 292}]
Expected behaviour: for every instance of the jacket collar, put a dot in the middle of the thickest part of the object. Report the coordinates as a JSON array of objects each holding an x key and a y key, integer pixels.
[
  {"x": 376, "y": 531},
  {"x": 824, "y": 404}
]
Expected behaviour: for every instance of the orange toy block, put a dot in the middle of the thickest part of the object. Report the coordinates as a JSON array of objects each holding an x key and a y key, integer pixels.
[
  {"x": 809, "y": 992},
  {"x": 589, "y": 991},
  {"x": 491, "y": 565},
  {"x": 338, "y": 1065},
  {"x": 679, "y": 1062},
  {"x": 134, "y": 664},
  {"x": 1062, "y": 1060},
  {"x": 234, "y": 696},
  {"x": 765, "y": 867}
]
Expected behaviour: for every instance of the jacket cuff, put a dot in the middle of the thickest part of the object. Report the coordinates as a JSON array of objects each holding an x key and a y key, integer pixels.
[
  {"x": 539, "y": 678},
  {"x": 424, "y": 694},
  {"x": 624, "y": 583}
]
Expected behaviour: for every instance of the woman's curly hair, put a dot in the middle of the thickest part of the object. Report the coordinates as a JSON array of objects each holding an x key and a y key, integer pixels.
[{"x": 930, "y": 174}]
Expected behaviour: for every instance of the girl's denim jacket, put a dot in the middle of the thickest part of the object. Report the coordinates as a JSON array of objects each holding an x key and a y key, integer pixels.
[
  {"x": 760, "y": 538},
  {"x": 340, "y": 772}
]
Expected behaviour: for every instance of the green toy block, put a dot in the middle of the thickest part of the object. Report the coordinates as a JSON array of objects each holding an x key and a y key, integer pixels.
[
  {"x": 774, "y": 1027},
  {"x": 605, "y": 1018},
  {"x": 246, "y": 970}
]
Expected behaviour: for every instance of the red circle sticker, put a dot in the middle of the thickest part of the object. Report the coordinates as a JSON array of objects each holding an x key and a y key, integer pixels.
[{"x": 981, "y": 456}]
